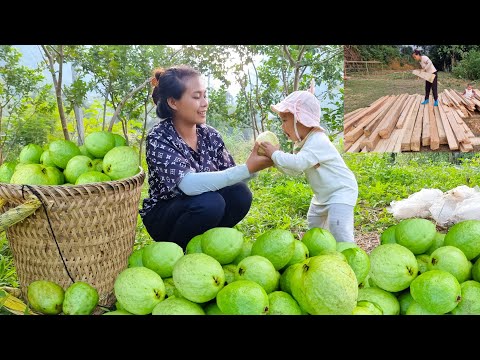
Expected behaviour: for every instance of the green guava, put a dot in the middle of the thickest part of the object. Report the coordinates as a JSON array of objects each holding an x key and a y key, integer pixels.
[
  {"x": 465, "y": 235},
  {"x": 135, "y": 258},
  {"x": 437, "y": 242},
  {"x": 6, "y": 171},
  {"x": 318, "y": 239},
  {"x": 177, "y": 306},
  {"x": 422, "y": 262},
  {"x": 194, "y": 245},
  {"x": 416, "y": 309},
  {"x": 385, "y": 300},
  {"x": 372, "y": 308},
  {"x": 32, "y": 174},
  {"x": 470, "y": 302},
  {"x": 277, "y": 245},
  {"x": 213, "y": 309},
  {"x": 76, "y": 166},
  {"x": 121, "y": 162},
  {"x": 46, "y": 159},
  {"x": 84, "y": 151},
  {"x": 361, "y": 310},
  {"x": 405, "y": 299},
  {"x": 392, "y": 267},
  {"x": 334, "y": 253},
  {"x": 98, "y": 165},
  {"x": 119, "y": 140},
  {"x": 92, "y": 177},
  {"x": 415, "y": 234},
  {"x": 80, "y": 299},
  {"x": 359, "y": 261},
  {"x": 246, "y": 251},
  {"x": 269, "y": 137},
  {"x": 161, "y": 256},
  {"x": 30, "y": 154},
  {"x": 282, "y": 303},
  {"x": 198, "y": 277},
  {"x": 230, "y": 270},
  {"x": 170, "y": 289},
  {"x": 325, "y": 285},
  {"x": 343, "y": 245},
  {"x": 45, "y": 296},
  {"x": 117, "y": 312},
  {"x": 436, "y": 291},
  {"x": 476, "y": 271},
  {"x": 99, "y": 143},
  {"x": 260, "y": 270},
  {"x": 243, "y": 297},
  {"x": 452, "y": 260},
  {"x": 300, "y": 253},
  {"x": 222, "y": 243},
  {"x": 388, "y": 235},
  {"x": 61, "y": 151},
  {"x": 55, "y": 175},
  {"x": 285, "y": 277},
  {"x": 139, "y": 290}
]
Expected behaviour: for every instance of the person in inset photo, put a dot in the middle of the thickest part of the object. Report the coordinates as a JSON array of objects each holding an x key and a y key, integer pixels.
[{"x": 428, "y": 67}]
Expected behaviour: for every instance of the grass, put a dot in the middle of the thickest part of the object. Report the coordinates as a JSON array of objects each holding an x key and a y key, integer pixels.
[{"x": 362, "y": 90}]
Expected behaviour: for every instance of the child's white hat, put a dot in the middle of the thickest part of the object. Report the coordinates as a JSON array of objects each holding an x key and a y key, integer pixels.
[{"x": 304, "y": 106}]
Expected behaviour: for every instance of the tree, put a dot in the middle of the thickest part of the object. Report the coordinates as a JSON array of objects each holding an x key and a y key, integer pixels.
[{"x": 18, "y": 84}]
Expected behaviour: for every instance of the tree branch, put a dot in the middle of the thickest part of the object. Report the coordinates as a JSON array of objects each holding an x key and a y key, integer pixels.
[{"x": 122, "y": 103}]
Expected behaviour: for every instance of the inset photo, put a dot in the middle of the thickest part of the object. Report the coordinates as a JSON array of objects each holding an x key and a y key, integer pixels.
[{"x": 412, "y": 98}]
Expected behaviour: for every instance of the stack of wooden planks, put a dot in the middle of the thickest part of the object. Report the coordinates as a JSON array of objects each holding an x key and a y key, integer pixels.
[{"x": 399, "y": 123}]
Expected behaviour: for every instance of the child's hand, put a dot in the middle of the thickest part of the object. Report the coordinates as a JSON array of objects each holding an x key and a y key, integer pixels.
[
  {"x": 268, "y": 148},
  {"x": 257, "y": 162}
]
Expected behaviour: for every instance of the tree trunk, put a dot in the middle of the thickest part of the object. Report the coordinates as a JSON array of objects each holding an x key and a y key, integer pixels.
[
  {"x": 104, "y": 112},
  {"x": 57, "y": 83},
  {"x": 78, "y": 110}
]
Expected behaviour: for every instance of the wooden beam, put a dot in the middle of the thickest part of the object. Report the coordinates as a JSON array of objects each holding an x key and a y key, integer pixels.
[
  {"x": 370, "y": 128},
  {"x": 457, "y": 130},
  {"x": 442, "y": 136},
  {"x": 358, "y": 129},
  {"x": 406, "y": 111},
  {"x": 391, "y": 119},
  {"x": 434, "y": 138},
  {"x": 410, "y": 124},
  {"x": 365, "y": 111},
  {"x": 425, "y": 126},
  {"x": 417, "y": 131},
  {"x": 451, "y": 139}
]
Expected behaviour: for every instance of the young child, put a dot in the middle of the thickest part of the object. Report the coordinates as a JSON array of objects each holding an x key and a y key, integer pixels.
[
  {"x": 333, "y": 183},
  {"x": 469, "y": 92}
]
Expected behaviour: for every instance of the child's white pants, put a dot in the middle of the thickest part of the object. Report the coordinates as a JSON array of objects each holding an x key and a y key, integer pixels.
[{"x": 336, "y": 218}]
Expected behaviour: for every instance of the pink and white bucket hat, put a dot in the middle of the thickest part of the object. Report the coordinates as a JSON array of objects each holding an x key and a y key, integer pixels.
[{"x": 304, "y": 106}]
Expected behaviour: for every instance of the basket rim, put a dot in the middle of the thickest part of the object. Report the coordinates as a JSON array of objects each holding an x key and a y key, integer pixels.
[{"x": 138, "y": 175}]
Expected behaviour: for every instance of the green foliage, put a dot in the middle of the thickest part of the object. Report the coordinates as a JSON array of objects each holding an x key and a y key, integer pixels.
[
  {"x": 469, "y": 67},
  {"x": 383, "y": 53},
  {"x": 8, "y": 274}
]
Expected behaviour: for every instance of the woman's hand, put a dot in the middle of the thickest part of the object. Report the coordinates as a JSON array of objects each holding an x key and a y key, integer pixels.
[
  {"x": 257, "y": 162},
  {"x": 268, "y": 148}
]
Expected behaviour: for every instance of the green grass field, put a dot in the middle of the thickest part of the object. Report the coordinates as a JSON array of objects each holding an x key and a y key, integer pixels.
[{"x": 362, "y": 90}]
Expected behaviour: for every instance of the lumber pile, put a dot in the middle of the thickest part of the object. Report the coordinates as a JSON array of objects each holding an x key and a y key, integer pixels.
[{"x": 399, "y": 123}]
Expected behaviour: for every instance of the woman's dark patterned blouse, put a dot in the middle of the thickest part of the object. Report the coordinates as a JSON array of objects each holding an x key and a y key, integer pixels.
[{"x": 169, "y": 159}]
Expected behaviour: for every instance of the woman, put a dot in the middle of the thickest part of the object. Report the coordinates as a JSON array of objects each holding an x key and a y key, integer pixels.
[
  {"x": 428, "y": 67},
  {"x": 194, "y": 183}
]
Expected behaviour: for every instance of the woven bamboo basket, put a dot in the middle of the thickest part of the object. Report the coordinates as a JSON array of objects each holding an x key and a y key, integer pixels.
[{"x": 80, "y": 232}]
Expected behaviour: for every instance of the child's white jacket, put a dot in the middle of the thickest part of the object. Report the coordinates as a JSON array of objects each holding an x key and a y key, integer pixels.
[{"x": 326, "y": 172}]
